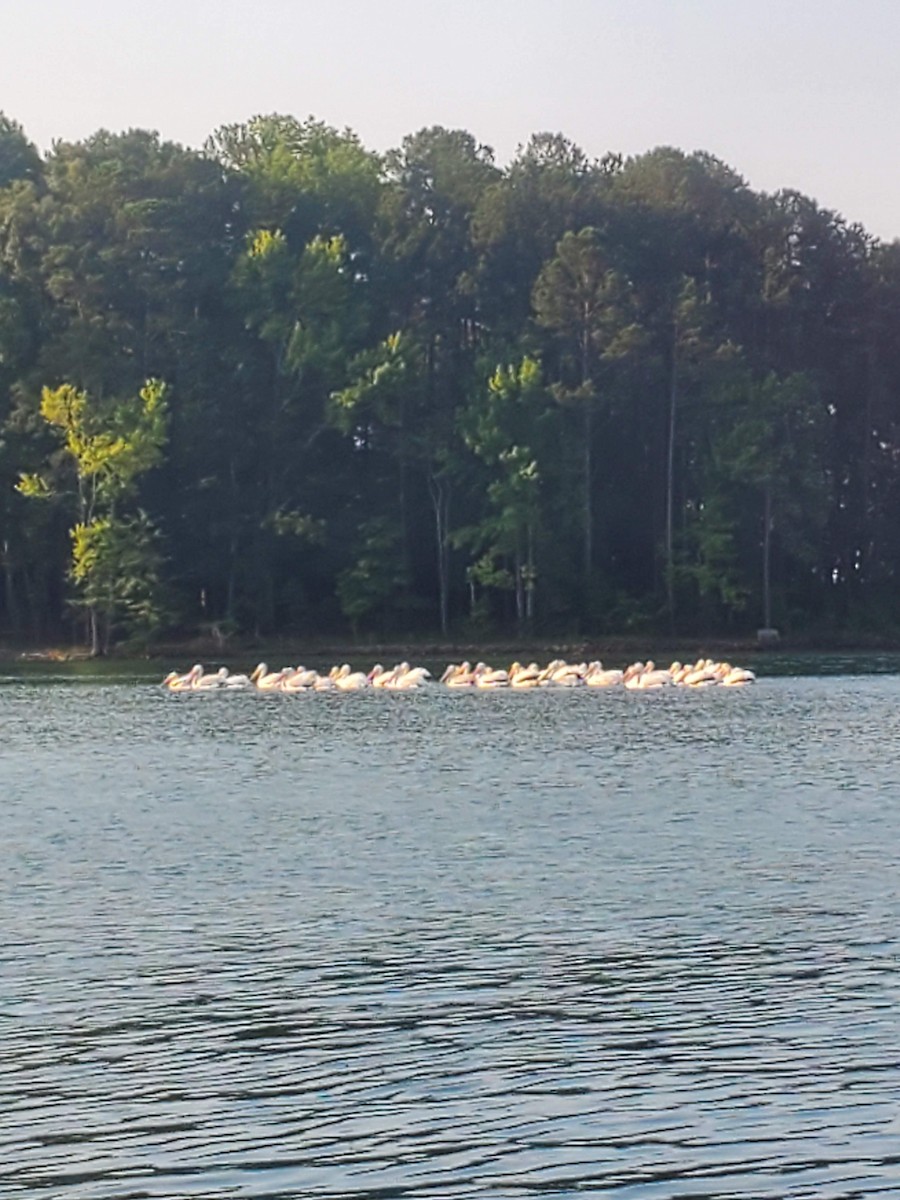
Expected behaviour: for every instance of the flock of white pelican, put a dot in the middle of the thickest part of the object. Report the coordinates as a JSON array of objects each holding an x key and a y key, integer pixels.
[
  {"x": 298, "y": 679},
  {"x": 639, "y": 676}
]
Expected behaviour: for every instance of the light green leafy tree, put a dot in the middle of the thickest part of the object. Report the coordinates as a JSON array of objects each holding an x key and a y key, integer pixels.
[{"x": 105, "y": 449}]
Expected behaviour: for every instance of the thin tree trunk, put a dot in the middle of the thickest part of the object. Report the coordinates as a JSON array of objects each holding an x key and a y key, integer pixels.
[
  {"x": 36, "y": 609},
  {"x": 867, "y": 540},
  {"x": 405, "y": 544},
  {"x": 520, "y": 591},
  {"x": 12, "y": 605},
  {"x": 233, "y": 541},
  {"x": 670, "y": 483},
  {"x": 588, "y": 515},
  {"x": 588, "y": 468},
  {"x": 529, "y": 584},
  {"x": 440, "y": 500},
  {"x": 94, "y": 633},
  {"x": 767, "y": 556}
]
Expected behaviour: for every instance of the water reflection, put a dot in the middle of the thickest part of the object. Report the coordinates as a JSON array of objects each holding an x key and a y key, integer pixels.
[{"x": 450, "y": 945}]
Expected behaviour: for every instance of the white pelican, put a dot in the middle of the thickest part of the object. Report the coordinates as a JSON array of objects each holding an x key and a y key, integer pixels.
[
  {"x": 650, "y": 677},
  {"x": 461, "y": 676},
  {"x": 701, "y": 675},
  {"x": 236, "y": 681},
  {"x": 182, "y": 683},
  {"x": 406, "y": 677},
  {"x": 524, "y": 677},
  {"x": 487, "y": 677},
  {"x": 299, "y": 680},
  {"x": 738, "y": 676},
  {"x": 596, "y": 676},
  {"x": 206, "y": 683},
  {"x": 349, "y": 681},
  {"x": 266, "y": 680},
  {"x": 568, "y": 675},
  {"x": 379, "y": 677}
]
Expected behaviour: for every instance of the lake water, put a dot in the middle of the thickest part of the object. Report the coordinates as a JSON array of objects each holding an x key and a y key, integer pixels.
[{"x": 450, "y": 945}]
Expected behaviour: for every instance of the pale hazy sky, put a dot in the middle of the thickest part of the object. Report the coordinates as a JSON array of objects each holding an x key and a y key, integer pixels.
[{"x": 791, "y": 93}]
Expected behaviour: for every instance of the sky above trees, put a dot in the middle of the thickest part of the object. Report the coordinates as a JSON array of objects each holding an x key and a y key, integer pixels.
[{"x": 792, "y": 95}]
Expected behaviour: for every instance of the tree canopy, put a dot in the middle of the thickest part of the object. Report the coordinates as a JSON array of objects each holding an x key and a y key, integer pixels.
[{"x": 287, "y": 385}]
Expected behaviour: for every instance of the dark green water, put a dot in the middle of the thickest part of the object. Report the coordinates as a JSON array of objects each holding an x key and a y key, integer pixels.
[{"x": 448, "y": 944}]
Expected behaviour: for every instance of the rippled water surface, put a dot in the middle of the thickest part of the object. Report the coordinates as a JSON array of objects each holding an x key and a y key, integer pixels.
[{"x": 445, "y": 944}]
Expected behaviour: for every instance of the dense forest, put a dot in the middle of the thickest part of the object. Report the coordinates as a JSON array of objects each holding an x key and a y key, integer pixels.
[{"x": 285, "y": 385}]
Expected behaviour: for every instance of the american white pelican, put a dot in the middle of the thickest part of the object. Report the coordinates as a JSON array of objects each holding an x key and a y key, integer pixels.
[
  {"x": 236, "y": 681},
  {"x": 701, "y": 675},
  {"x": 299, "y": 680},
  {"x": 461, "y": 676},
  {"x": 597, "y": 676},
  {"x": 182, "y": 683},
  {"x": 567, "y": 675},
  {"x": 524, "y": 677},
  {"x": 379, "y": 677},
  {"x": 406, "y": 677},
  {"x": 638, "y": 676},
  {"x": 738, "y": 676},
  {"x": 650, "y": 677},
  {"x": 487, "y": 677},
  {"x": 207, "y": 683},
  {"x": 349, "y": 681},
  {"x": 266, "y": 680}
]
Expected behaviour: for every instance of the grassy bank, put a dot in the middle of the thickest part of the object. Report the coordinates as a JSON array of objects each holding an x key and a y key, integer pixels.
[{"x": 620, "y": 648}]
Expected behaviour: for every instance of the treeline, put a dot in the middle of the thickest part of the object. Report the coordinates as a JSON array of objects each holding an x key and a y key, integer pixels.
[{"x": 287, "y": 385}]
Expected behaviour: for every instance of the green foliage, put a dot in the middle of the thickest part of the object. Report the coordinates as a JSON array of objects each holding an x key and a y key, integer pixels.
[
  {"x": 115, "y": 563},
  {"x": 366, "y": 588},
  {"x": 34, "y": 486},
  {"x": 298, "y": 525},
  {"x": 580, "y": 297},
  {"x": 379, "y": 381},
  {"x": 18, "y": 157},
  {"x": 588, "y": 394},
  {"x": 110, "y": 445},
  {"x": 296, "y": 169},
  {"x": 708, "y": 563}
]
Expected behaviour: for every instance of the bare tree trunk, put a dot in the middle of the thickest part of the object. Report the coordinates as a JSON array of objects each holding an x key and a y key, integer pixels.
[
  {"x": 520, "y": 591},
  {"x": 35, "y": 608},
  {"x": 94, "y": 633},
  {"x": 12, "y": 605},
  {"x": 233, "y": 545},
  {"x": 767, "y": 557},
  {"x": 530, "y": 581},
  {"x": 588, "y": 468},
  {"x": 440, "y": 500},
  {"x": 670, "y": 482}
]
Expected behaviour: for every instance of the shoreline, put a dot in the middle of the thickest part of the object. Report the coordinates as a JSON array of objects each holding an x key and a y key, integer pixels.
[{"x": 628, "y": 646}]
